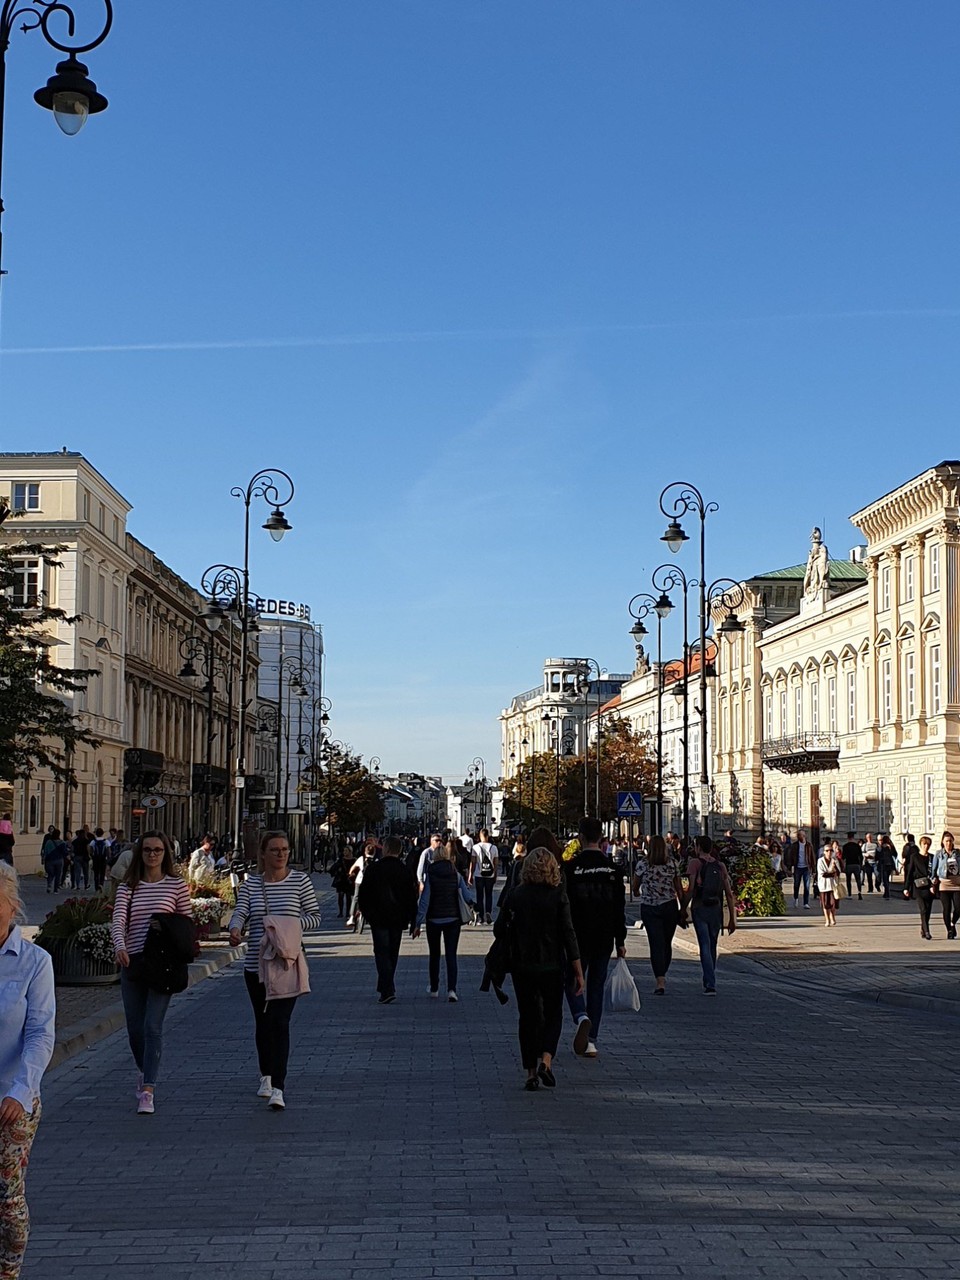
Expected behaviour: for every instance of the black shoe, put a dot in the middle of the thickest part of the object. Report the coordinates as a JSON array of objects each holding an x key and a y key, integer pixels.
[
  {"x": 546, "y": 1076},
  {"x": 386, "y": 1000},
  {"x": 532, "y": 1084},
  {"x": 927, "y": 936},
  {"x": 951, "y": 934}
]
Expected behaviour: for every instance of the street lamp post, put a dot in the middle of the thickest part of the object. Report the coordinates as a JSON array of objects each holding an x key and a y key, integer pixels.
[
  {"x": 276, "y": 488},
  {"x": 677, "y": 500},
  {"x": 478, "y": 771},
  {"x": 194, "y": 650},
  {"x": 70, "y": 94},
  {"x": 271, "y": 721},
  {"x": 591, "y": 667},
  {"x": 375, "y": 773},
  {"x": 640, "y": 607}
]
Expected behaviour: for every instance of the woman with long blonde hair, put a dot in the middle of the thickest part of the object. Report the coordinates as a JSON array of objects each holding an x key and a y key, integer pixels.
[{"x": 535, "y": 920}]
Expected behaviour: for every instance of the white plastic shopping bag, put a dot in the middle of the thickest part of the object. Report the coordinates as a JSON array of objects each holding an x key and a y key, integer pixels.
[{"x": 620, "y": 994}]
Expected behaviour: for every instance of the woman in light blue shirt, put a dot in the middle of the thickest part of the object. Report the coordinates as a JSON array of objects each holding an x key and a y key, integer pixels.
[{"x": 27, "y": 1011}]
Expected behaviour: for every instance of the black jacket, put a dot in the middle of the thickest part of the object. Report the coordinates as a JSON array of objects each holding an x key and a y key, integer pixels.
[
  {"x": 170, "y": 946},
  {"x": 535, "y": 922},
  {"x": 444, "y": 890},
  {"x": 597, "y": 902},
  {"x": 916, "y": 866},
  {"x": 388, "y": 895}
]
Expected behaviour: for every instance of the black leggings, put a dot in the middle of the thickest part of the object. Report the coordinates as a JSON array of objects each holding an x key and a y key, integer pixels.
[
  {"x": 273, "y": 1029},
  {"x": 450, "y": 934},
  {"x": 924, "y": 899},
  {"x": 660, "y": 923},
  {"x": 540, "y": 1006},
  {"x": 950, "y": 903}
]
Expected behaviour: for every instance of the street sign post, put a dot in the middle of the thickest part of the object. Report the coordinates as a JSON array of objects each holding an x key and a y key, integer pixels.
[{"x": 629, "y": 804}]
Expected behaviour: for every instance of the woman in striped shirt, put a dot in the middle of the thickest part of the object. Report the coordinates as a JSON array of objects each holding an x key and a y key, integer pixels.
[
  {"x": 150, "y": 886},
  {"x": 282, "y": 892}
]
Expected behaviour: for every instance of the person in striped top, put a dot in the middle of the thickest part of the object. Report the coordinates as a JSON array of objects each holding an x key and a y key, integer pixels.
[
  {"x": 150, "y": 886},
  {"x": 277, "y": 891}
]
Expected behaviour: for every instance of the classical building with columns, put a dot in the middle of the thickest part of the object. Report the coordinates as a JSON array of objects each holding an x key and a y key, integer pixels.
[{"x": 845, "y": 714}]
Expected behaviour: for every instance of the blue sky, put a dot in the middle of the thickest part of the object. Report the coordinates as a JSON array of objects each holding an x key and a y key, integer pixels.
[{"x": 483, "y": 276}]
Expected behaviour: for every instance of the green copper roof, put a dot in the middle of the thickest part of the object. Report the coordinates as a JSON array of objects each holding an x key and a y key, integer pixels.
[{"x": 840, "y": 571}]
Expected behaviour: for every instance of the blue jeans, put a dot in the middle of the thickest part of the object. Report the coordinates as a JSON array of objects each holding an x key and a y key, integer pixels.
[
  {"x": 707, "y": 922},
  {"x": 595, "y": 965},
  {"x": 54, "y": 870},
  {"x": 144, "y": 1010},
  {"x": 386, "y": 953},
  {"x": 801, "y": 874}
]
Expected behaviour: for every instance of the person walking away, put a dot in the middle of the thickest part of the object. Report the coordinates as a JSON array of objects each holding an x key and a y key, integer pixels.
[
  {"x": 276, "y": 890},
  {"x": 852, "y": 855},
  {"x": 535, "y": 922},
  {"x": 342, "y": 881},
  {"x": 801, "y": 859},
  {"x": 946, "y": 879},
  {"x": 151, "y": 886},
  {"x": 98, "y": 859},
  {"x": 598, "y": 908},
  {"x": 486, "y": 860},
  {"x": 661, "y": 892},
  {"x": 53, "y": 854},
  {"x": 461, "y": 858},
  {"x": 27, "y": 1037},
  {"x": 388, "y": 902},
  {"x": 357, "y": 872},
  {"x": 81, "y": 858},
  {"x": 918, "y": 881},
  {"x": 829, "y": 870},
  {"x": 439, "y": 910},
  {"x": 886, "y": 862},
  {"x": 870, "y": 871},
  {"x": 708, "y": 885},
  {"x": 909, "y": 848},
  {"x": 514, "y": 867},
  {"x": 543, "y": 838}
]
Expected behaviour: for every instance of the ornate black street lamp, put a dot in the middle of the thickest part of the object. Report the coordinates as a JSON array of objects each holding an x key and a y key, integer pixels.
[
  {"x": 592, "y": 667},
  {"x": 69, "y": 93},
  {"x": 477, "y": 778},
  {"x": 202, "y": 663},
  {"x": 640, "y": 607},
  {"x": 276, "y": 488},
  {"x": 271, "y": 722}
]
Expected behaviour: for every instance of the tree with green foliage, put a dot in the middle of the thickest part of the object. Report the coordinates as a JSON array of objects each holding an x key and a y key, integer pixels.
[
  {"x": 38, "y": 726},
  {"x": 353, "y": 798}
]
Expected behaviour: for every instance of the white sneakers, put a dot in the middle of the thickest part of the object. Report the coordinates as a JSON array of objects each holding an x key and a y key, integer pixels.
[
  {"x": 276, "y": 1100},
  {"x": 434, "y": 995},
  {"x": 582, "y": 1037},
  {"x": 452, "y": 997},
  {"x": 266, "y": 1089},
  {"x": 591, "y": 1050},
  {"x": 145, "y": 1102}
]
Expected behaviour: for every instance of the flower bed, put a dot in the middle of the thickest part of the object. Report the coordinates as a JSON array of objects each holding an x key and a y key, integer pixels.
[{"x": 77, "y": 935}]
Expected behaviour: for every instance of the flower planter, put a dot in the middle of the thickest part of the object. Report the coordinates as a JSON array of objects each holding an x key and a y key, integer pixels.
[{"x": 72, "y": 967}]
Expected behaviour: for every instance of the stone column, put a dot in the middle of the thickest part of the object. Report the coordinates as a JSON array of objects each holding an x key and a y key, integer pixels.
[{"x": 896, "y": 666}]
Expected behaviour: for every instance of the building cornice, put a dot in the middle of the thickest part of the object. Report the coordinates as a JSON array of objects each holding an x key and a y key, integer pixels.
[{"x": 893, "y": 517}]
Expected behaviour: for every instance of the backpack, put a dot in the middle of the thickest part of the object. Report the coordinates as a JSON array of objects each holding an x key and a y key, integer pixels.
[
  {"x": 486, "y": 860},
  {"x": 711, "y": 884}
]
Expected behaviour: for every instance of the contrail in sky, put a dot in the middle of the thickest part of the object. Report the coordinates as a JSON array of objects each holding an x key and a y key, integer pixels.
[{"x": 466, "y": 335}]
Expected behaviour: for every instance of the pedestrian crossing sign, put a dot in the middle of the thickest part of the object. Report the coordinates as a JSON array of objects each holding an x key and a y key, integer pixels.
[{"x": 629, "y": 804}]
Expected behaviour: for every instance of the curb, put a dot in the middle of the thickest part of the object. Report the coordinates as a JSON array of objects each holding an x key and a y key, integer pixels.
[
  {"x": 875, "y": 995},
  {"x": 88, "y": 1032}
]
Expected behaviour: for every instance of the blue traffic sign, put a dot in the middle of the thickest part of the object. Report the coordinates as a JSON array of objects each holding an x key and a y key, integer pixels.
[{"x": 629, "y": 804}]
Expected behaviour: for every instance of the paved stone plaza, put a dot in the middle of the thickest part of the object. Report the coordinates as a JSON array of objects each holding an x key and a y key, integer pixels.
[{"x": 770, "y": 1132}]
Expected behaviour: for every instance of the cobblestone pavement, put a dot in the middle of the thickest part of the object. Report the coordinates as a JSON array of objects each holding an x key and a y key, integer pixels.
[{"x": 760, "y": 1134}]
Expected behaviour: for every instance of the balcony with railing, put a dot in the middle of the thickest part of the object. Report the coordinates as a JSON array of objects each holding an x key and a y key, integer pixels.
[{"x": 802, "y": 753}]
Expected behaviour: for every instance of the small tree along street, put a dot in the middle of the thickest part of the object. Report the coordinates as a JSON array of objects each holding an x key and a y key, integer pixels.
[
  {"x": 352, "y": 797},
  {"x": 38, "y": 728},
  {"x": 627, "y": 763}
]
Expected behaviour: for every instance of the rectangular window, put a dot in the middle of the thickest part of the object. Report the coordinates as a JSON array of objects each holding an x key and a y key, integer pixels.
[
  {"x": 815, "y": 707},
  {"x": 26, "y": 497},
  {"x": 26, "y": 585},
  {"x": 768, "y": 716},
  {"x": 881, "y": 805},
  {"x": 910, "y": 688},
  {"x": 783, "y": 805},
  {"x": 852, "y": 800},
  {"x": 798, "y": 708},
  {"x": 908, "y": 575},
  {"x": 904, "y": 804},
  {"x": 799, "y": 806},
  {"x": 833, "y": 805},
  {"x": 851, "y": 701},
  {"x": 101, "y": 598},
  {"x": 928, "y": 807},
  {"x": 887, "y": 690},
  {"x": 885, "y": 587},
  {"x": 933, "y": 576},
  {"x": 832, "y": 703},
  {"x": 934, "y": 679},
  {"x": 85, "y": 507},
  {"x": 784, "y": 728}
]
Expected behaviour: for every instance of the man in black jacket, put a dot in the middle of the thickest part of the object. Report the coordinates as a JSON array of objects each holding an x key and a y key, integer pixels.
[
  {"x": 388, "y": 903},
  {"x": 597, "y": 904}
]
